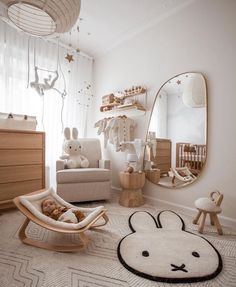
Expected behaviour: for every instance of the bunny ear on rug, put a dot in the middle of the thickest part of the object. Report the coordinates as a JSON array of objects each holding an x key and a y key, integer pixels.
[
  {"x": 142, "y": 221},
  {"x": 67, "y": 133},
  {"x": 75, "y": 133},
  {"x": 169, "y": 220}
]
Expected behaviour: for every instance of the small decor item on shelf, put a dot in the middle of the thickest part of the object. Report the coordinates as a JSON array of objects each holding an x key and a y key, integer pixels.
[
  {"x": 118, "y": 100},
  {"x": 108, "y": 99},
  {"x": 110, "y": 102},
  {"x": 123, "y": 100},
  {"x": 135, "y": 90}
]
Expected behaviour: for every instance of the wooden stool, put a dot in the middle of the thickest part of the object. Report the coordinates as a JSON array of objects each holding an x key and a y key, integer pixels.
[
  {"x": 131, "y": 195},
  {"x": 209, "y": 206}
]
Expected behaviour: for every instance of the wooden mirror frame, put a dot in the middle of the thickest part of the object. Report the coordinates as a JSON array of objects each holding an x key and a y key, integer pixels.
[{"x": 153, "y": 175}]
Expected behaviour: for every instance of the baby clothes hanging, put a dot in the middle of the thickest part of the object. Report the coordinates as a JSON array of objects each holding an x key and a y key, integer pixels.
[
  {"x": 116, "y": 130},
  {"x": 102, "y": 126},
  {"x": 122, "y": 130},
  {"x": 108, "y": 133}
]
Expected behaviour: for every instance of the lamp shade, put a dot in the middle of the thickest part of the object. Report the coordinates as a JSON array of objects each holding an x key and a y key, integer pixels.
[
  {"x": 131, "y": 157},
  {"x": 194, "y": 92},
  {"x": 41, "y": 17}
]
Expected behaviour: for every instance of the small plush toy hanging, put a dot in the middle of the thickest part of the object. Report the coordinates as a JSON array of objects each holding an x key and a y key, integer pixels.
[{"x": 48, "y": 83}]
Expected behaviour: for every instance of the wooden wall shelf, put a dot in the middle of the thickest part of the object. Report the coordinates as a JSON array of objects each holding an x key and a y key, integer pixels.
[
  {"x": 129, "y": 110},
  {"x": 121, "y": 106}
]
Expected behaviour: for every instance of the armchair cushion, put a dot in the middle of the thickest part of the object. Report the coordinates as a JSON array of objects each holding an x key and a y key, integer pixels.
[
  {"x": 91, "y": 149},
  {"x": 85, "y": 184},
  {"x": 60, "y": 164},
  {"x": 83, "y": 175},
  {"x": 105, "y": 163}
]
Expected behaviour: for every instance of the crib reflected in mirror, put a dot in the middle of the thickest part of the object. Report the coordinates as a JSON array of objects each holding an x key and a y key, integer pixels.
[{"x": 177, "y": 132}]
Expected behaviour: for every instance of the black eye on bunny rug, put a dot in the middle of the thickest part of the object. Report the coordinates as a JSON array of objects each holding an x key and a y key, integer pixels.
[{"x": 162, "y": 250}]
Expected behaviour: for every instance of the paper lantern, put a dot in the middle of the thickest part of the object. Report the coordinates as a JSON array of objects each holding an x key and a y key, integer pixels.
[
  {"x": 132, "y": 157},
  {"x": 194, "y": 92},
  {"x": 41, "y": 17}
]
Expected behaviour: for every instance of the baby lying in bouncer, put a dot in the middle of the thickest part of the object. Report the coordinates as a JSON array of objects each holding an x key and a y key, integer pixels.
[{"x": 61, "y": 213}]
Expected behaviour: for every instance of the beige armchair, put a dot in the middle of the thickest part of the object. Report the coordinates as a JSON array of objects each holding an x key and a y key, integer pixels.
[{"x": 85, "y": 184}]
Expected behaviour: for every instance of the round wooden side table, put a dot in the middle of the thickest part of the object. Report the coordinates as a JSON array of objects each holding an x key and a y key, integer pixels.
[{"x": 131, "y": 183}]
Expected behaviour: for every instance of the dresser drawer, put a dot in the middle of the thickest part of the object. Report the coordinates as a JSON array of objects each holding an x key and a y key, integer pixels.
[
  {"x": 14, "y": 189},
  {"x": 163, "y": 152},
  {"x": 163, "y": 145},
  {"x": 21, "y": 157},
  {"x": 20, "y": 173},
  {"x": 164, "y": 167},
  {"x": 20, "y": 140},
  {"x": 162, "y": 159}
]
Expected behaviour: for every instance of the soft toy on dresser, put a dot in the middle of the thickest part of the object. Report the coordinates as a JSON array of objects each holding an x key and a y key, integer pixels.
[{"x": 72, "y": 149}]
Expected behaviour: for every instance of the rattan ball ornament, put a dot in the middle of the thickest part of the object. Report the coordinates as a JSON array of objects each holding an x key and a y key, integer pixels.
[{"x": 130, "y": 169}]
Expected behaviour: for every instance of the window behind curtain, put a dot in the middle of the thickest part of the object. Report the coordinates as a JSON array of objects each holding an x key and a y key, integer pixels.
[{"x": 15, "y": 97}]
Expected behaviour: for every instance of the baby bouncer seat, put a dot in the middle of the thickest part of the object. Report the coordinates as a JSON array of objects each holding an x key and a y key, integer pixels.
[
  {"x": 183, "y": 174},
  {"x": 30, "y": 206}
]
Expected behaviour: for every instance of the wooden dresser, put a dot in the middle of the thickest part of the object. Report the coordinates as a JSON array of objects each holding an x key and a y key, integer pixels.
[
  {"x": 162, "y": 159},
  {"x": 22, "y": 164}
]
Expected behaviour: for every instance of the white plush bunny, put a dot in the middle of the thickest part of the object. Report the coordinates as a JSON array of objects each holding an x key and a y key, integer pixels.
[
  {"x": 72, "y": 149},
  {"x": 163, "y": 251}
]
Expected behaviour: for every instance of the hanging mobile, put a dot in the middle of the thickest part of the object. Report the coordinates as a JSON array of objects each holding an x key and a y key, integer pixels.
[{"x": 48, "y": 83}]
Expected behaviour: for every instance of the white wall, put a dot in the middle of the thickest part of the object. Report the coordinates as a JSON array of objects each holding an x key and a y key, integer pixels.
[{"x": 199, "y": 38}]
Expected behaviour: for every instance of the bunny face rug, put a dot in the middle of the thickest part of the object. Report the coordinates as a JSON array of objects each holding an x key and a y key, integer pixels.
[{"x": 163, "y": 251}]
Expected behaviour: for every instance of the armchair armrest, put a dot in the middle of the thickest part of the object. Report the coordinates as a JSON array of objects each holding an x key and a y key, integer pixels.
[
  {"x": 60, "y": 164},
  {"x": 105, "y": 163}
]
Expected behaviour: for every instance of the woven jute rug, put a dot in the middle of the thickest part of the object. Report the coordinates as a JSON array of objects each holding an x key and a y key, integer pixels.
[{"x": 98, "y": 264}]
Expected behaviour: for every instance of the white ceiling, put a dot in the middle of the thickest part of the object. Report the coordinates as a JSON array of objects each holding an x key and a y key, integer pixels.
[{"x": 104, "y": 24}]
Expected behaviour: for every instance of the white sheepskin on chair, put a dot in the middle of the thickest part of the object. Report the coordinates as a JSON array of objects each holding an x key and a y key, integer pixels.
[
  {"x": 207, "y": 204},
  {"x": 33, "y": 204}
]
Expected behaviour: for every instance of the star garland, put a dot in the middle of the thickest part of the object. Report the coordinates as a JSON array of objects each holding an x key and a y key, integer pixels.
[{"x": 69, "y": 58}]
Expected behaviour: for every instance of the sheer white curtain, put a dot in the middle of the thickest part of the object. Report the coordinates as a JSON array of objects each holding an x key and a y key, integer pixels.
[{"x": 18, "y": 55}]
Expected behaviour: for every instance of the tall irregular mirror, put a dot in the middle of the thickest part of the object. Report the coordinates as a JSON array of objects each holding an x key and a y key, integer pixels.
[{"x": 177, "y": 132}]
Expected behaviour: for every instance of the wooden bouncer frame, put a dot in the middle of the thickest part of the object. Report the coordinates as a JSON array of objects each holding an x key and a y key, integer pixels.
[
  {"x": 189, "y": 177},
  {"x": 49, "y": 246}
]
